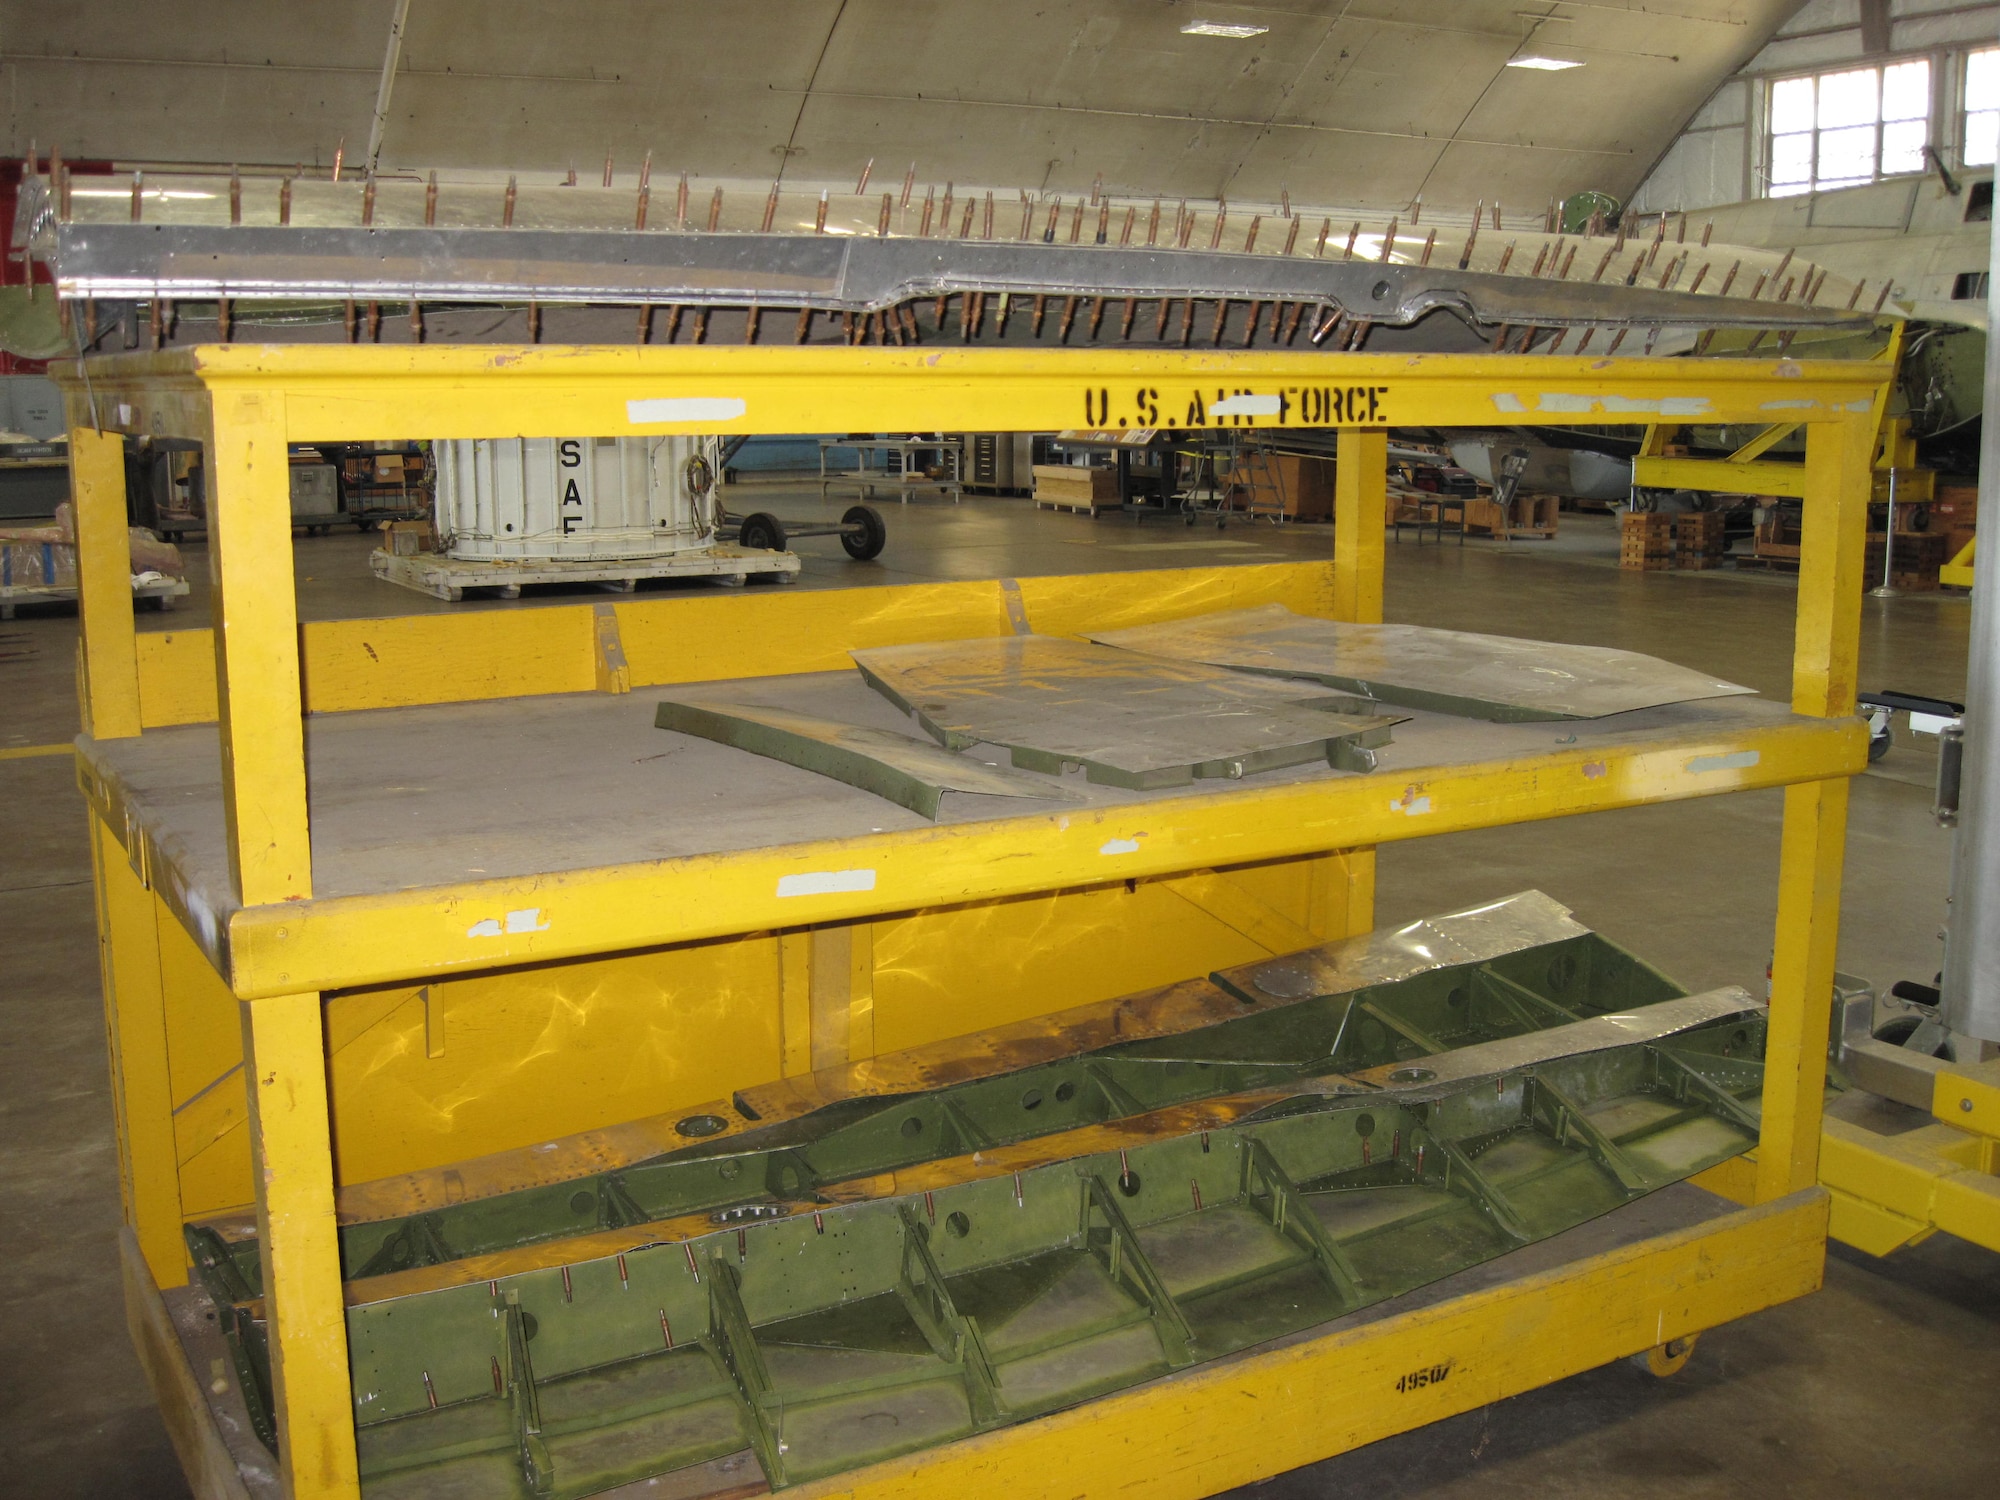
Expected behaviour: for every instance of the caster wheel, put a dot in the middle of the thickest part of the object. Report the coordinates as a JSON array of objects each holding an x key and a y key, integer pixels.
[
  {"x": 869, "y": 540},
  {"x": 1670, "y": 1358},
  {"x": 1878, "y": 746},
  {"x": 1898, "y": 1030},
  {"x": 764, "y": 532}
]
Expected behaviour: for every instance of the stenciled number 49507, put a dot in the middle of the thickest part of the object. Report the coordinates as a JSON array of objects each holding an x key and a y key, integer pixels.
[{"x": 1416, "y": 1380}]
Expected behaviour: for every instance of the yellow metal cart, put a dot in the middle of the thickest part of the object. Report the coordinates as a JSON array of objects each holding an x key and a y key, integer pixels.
[{"x": 377, "y": 958}]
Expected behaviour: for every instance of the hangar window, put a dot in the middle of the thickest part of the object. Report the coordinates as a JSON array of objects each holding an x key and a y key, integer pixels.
[
  {"x": 1843, "y": 128},
  {"x": 1982, "y": 107}
]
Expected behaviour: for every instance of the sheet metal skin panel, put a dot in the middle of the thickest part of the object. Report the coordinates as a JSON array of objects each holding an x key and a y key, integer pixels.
[
  {"x": 1127, "y": 720},
  {"x": 910, "y": 772},
  {"x": 846, "y": 274},
  {"x": 1496, "y": 677}
]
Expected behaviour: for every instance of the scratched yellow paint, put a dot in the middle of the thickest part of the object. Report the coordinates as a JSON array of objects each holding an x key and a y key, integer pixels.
[
  {"x": 176, "y": 677},
  {"x": 537, "y": 1053},
  {"x": 569, "y": 1038}
]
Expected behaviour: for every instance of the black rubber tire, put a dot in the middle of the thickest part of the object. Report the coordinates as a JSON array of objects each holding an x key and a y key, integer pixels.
[
  {"x": 763, "y": 531},
  {"x": 870, "y": 539},
  {"x": 1898, "y": 1030},
  {"x": 1878, "y": 745}
]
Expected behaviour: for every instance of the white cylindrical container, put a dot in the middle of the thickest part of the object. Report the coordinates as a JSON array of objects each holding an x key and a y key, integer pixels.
[{"x": 575, "y": 498}]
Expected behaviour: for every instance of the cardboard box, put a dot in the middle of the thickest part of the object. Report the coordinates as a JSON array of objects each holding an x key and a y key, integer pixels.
[{"x": 409, "y": 538}]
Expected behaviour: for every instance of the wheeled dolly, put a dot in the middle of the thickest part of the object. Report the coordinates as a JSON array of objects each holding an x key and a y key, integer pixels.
[{"x": 860, "y": 529}]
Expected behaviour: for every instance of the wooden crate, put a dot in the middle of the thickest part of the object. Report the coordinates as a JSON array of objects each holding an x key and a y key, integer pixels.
[
  {"x": 1305, "y": 480},
  {"x": 1073, "y": 481},
  {"x": 1073, "y": 487}
]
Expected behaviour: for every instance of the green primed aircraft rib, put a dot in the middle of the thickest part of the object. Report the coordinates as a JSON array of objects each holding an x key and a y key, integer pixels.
[
  {"x": 979, "y": 1284},
  {"x": 1270, "y": 1042}
]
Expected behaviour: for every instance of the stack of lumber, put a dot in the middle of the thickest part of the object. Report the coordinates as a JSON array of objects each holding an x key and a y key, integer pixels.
[
  {"x": 1699, "y": 539},
  {"x": 1913, "y": 567},
  {"x": 1955, "y": 512},
  {"x": 1646, "y": 541}
]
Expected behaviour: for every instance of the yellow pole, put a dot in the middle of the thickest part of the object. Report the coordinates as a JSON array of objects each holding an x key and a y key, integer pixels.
[
  {"x": 104, "y": 585},
  {"x": 1360, "y": 502},
  {"x": 135, "y": 1024},
  {"x": 1824, "y": 657},
  {"x": 257, "y": 649},
  {"x": 1360, "y": 516},
  {"x": 284, "y": 1057}
]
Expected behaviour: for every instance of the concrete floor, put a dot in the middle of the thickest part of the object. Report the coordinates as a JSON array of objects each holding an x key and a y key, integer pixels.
[{"x": 1883, "y": 1384}]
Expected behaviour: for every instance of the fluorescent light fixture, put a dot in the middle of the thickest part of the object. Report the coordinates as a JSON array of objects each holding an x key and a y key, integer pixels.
[
  {"x": 1222, "y": 28},
  {"x": 1543, "y": 64}
]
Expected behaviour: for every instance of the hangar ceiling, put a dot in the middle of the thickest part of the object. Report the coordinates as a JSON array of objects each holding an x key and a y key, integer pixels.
[{"x": 1355, "y": 102}]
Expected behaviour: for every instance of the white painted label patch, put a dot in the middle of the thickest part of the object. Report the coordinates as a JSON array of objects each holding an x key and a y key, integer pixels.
[
  {"x": 686, "y": 409},
  {"x": 1413, "y": 806},
  {"x": 1740, "y": 760},
  {"x": 1665, "y": 406},
  {"x": 826, "y": 882},
  {"x": 1119, "y": 846},
  {"x": 1247, "y": 406},
  {"x": 527, "y": 919}
]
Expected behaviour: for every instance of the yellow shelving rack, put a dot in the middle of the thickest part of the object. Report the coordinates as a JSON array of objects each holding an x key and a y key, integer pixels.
[{"x": 384, "y": 961}]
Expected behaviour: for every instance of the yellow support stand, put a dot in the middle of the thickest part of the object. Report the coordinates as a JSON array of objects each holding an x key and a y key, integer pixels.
[{"x": 270, "y": 996}]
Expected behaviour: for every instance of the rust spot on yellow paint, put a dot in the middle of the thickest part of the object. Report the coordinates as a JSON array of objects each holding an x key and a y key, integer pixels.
[{"x": 1593, "y": 769}]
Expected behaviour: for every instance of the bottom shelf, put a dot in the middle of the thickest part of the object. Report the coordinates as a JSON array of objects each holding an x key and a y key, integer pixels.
[{"x": 1672, "y": 1264}]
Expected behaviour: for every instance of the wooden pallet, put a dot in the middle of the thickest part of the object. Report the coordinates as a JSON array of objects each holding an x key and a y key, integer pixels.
[
  {"x": 1077, "y": 507},
  {"x": 449, "y": 578},
  {"x": 14, "y": 595}
]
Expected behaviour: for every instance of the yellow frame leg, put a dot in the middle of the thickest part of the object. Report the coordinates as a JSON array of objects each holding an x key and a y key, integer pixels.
[
  {"x": 1360, "y": 517},
  {"x": 136, "y": 1033},
  {"x": 1826, "y": 651},
  {"x": 284, "y": 1054},
  {"x": 109, "y": 650},
  {"x": 257, "y": 649}
]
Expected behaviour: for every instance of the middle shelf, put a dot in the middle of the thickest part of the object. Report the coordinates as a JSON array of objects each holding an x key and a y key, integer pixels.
[{"x": 464, "y": 836}]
